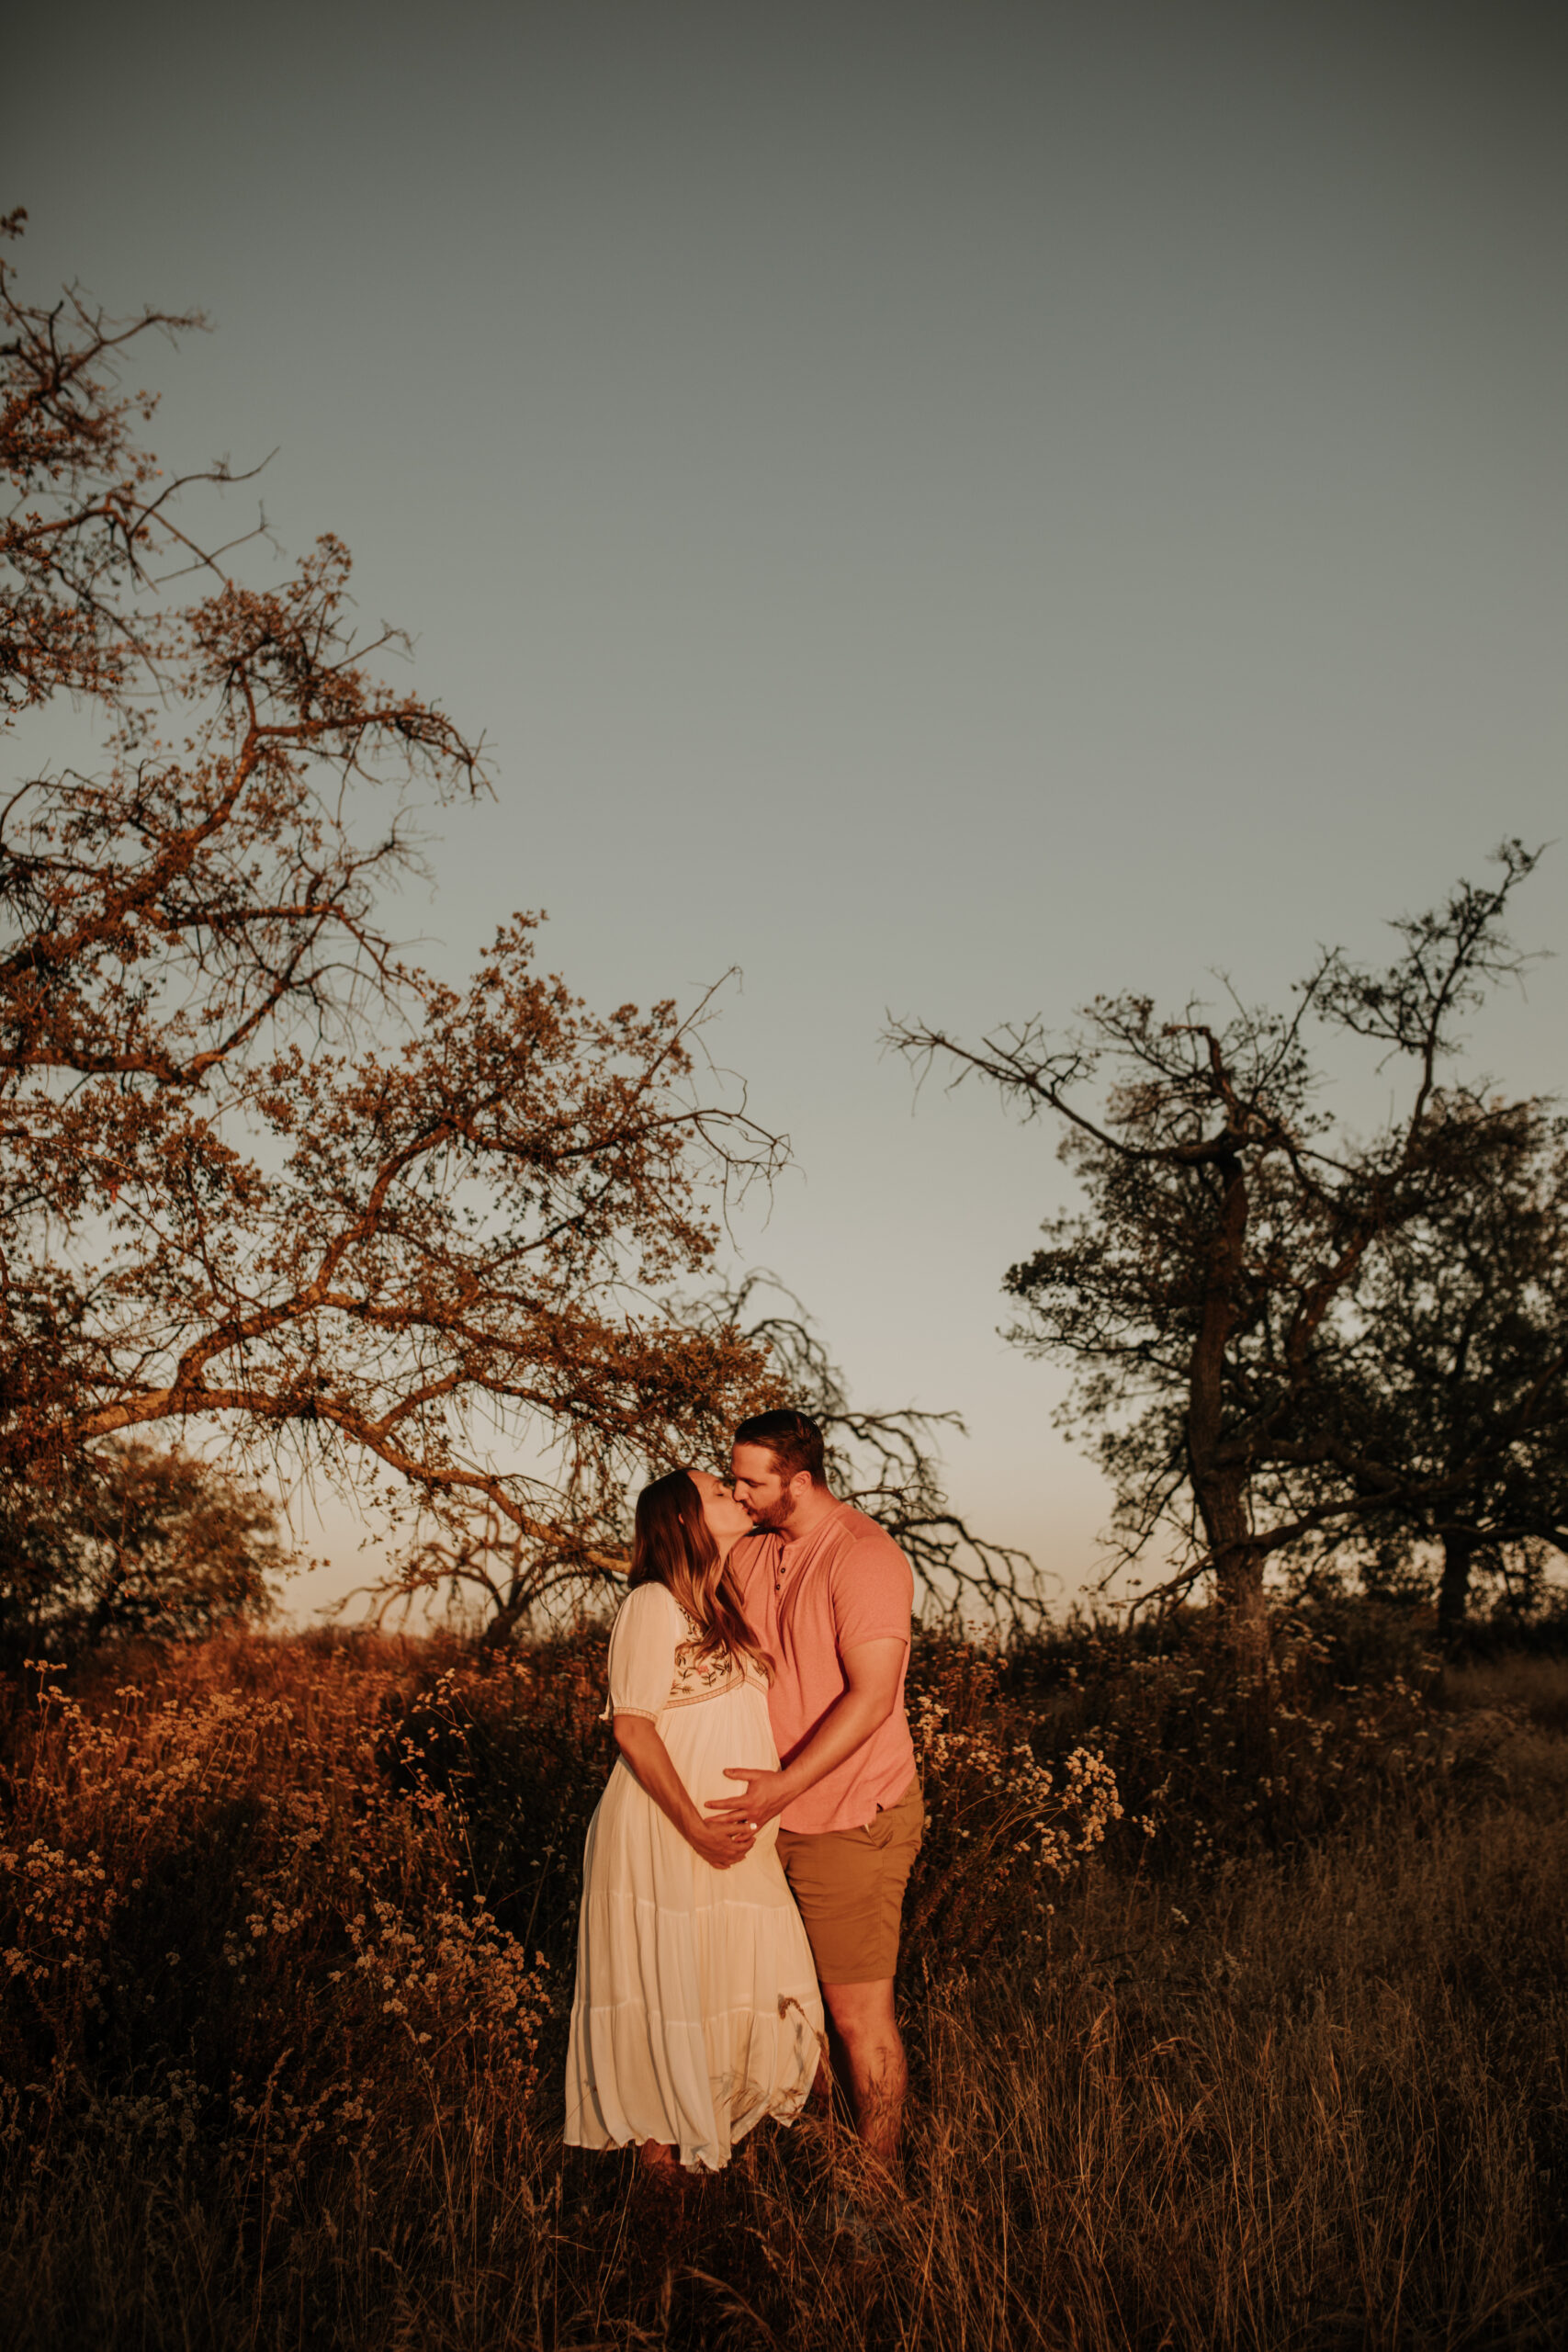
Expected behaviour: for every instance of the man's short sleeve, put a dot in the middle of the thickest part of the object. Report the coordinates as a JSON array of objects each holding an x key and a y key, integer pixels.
[{"x": 873, "y": 1592}]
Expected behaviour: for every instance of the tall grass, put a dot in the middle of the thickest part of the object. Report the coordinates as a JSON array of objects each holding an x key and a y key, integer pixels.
[{"x": 1251, "y": 2047}]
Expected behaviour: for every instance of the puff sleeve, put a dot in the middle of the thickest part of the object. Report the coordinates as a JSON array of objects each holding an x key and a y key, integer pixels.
[{"x": 648, "y": 1626}]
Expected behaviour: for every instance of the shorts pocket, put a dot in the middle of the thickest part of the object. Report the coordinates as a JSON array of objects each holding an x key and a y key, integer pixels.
[{"x": 894, "y": 1820}]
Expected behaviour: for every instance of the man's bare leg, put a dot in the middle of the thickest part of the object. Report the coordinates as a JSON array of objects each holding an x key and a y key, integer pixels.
[{"x": 867, "y": 2031}]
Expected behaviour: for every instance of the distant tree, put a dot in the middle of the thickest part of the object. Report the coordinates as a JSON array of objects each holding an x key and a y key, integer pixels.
[
  {"x": 139, "y": 1540},
  {"x": 255, "y": 1168},
  {"x": 1457, "y": 1379},
  {"x": 1216, "y": 1295}
]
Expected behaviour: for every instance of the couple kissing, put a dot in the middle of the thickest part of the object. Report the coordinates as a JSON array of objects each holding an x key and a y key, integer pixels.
[{"x": 746, "y": 1865}]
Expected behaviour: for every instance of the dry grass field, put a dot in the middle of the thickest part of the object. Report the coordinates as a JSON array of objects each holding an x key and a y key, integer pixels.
[{"x": 1268, "y": 2049}]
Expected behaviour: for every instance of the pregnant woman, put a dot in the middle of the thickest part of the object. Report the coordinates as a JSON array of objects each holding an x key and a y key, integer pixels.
[{"x": 696, "y": 2011}]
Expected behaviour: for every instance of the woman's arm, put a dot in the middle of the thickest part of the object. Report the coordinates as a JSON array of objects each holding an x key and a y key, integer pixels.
[{"x": 721, "y": 1843}]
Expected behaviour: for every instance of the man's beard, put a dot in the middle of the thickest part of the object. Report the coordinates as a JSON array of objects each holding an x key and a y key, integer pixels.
[{"x": 775, "y": 1517}]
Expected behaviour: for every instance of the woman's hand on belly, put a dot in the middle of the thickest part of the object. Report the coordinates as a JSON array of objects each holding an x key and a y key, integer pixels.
[{"x": 721, "y": 1843}]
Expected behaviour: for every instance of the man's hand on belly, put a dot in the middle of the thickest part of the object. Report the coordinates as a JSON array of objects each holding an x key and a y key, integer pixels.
[
  {"x": 766, "y": 1794},
  {"x": 869, "y": 1696}
]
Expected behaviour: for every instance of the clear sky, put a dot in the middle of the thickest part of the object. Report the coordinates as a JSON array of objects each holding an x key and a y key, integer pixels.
[{"x": 952, "y": 509}]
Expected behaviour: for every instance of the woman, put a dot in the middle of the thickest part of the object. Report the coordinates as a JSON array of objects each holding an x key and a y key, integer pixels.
[{"x": 696, "y": 2011}]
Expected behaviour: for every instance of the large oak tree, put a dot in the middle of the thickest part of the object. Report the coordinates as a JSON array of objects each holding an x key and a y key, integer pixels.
[{"x": 254, "y": 1164}]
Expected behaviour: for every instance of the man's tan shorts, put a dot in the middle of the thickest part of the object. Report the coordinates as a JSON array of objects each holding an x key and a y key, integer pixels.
[{"x": 849, "y": 1886}]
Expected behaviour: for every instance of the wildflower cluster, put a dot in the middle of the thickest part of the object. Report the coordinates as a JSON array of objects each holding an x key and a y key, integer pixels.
[
  {"x": 1003, "y": 1828},
  {"x": 1206, "y": 1764}
]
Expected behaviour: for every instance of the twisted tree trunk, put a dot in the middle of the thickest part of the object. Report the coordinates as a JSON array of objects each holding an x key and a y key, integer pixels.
[
  {"x": 1460, "y": 1546},
  {"x": 1219, "y": 1482}
]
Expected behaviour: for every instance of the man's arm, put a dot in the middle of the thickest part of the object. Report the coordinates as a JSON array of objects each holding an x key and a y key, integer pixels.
[{"x": 868, "y": 1698}]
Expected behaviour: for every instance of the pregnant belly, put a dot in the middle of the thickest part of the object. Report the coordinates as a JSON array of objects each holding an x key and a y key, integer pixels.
[{"x": 704, "y": 1740}]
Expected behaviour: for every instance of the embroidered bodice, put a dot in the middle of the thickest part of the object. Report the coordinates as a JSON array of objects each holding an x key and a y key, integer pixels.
[
  {"x": 654, "y": 1663},
  {"x": 707, "y": 1677}
]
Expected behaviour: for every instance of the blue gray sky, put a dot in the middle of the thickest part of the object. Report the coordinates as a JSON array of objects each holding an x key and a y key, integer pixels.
[{"x": 952, "y": 509}]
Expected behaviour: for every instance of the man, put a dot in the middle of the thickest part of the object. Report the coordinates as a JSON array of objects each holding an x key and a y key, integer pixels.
[{"x": 829, "y": 1594}]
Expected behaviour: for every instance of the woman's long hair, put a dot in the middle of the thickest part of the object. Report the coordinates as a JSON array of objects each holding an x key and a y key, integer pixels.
[{"x": 672, "y": 1546}]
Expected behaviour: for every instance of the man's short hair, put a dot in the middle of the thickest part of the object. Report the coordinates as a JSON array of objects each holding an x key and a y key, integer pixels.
[{"x": 793, "y": 1439}]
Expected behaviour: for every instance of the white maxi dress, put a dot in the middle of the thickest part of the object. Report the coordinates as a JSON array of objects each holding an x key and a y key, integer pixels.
[{"x": 696, "y": 2011}]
